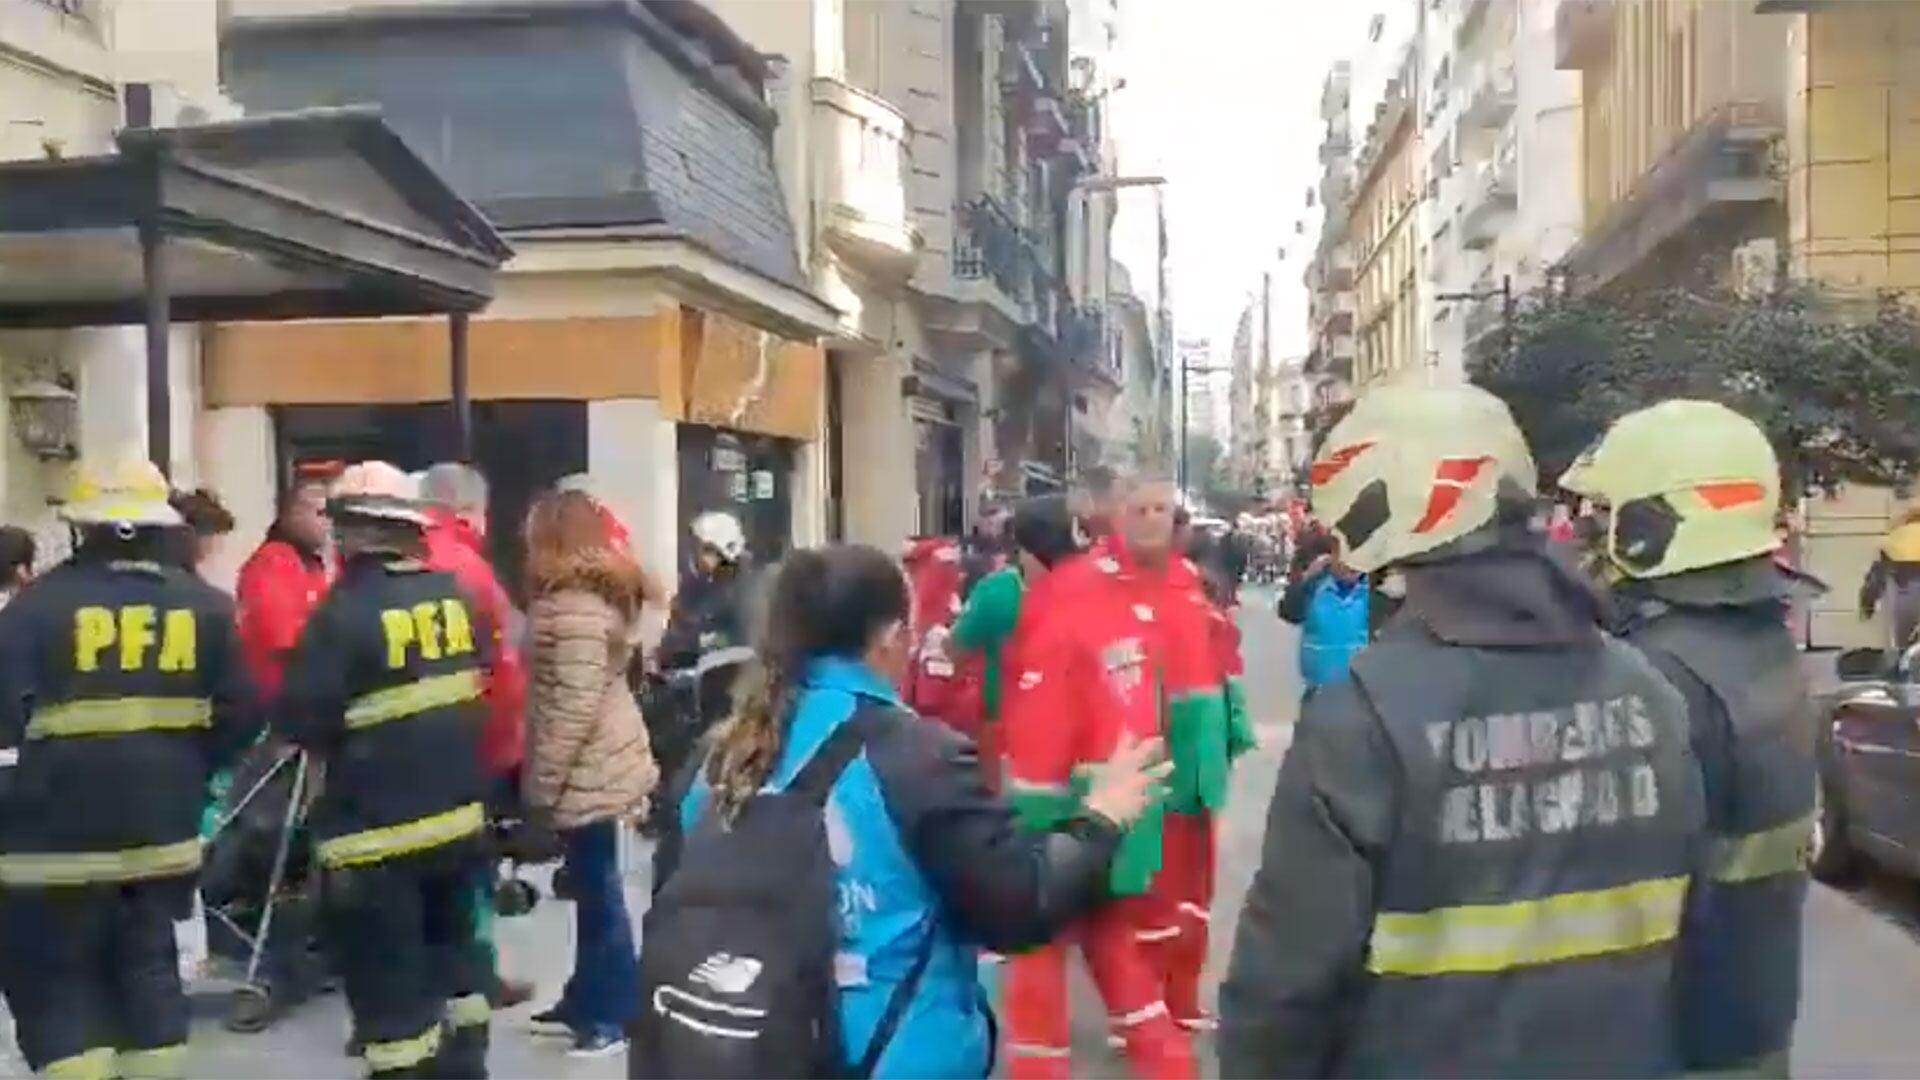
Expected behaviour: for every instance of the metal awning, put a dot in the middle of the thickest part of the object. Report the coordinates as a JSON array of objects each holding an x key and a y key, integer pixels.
[{"x": 319, "y": 214}]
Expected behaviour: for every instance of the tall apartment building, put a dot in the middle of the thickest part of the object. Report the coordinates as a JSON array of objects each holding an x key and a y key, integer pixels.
[
  {"x": 1364, "y": 280},
  {"x": 1246, "y": 442},
  {"x": 1293, "y": 407},
  {"x": 1329, "y": 277},
  {"x": 935, "y": 150},
  {"x": 1384, "y": 230},
  {"x": 1739, "y": 139},
  {"x": 1501, "y": 126},
  {"x": 1682, "y": 105}
]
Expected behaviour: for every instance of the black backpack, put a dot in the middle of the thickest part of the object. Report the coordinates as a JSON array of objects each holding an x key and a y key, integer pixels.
[{"x": 737, "y": 949}]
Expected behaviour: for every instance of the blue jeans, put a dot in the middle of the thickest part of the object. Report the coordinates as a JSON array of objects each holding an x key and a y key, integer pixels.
[{"x": 605, "y": 987}]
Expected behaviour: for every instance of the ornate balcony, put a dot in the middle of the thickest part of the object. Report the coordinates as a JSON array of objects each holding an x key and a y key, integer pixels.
[
  {"x": 860, "y": 171},
  {"x": 1491, "y": 96},
  {"x": 1492, "y": 197}
]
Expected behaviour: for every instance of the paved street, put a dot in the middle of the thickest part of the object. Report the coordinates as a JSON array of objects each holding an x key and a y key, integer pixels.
[{"x": 1863, "y": 976}]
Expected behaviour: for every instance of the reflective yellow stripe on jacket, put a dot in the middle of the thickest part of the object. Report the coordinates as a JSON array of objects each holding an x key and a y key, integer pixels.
[
  {"x": 1483, "y": 938},
  {"x": 403, "y": 1053},
  {"x": 159, "y": 1063},
  {"x": 120, "y": 716},
  {"x": 88, "y": 867},
  {"x": 1783, "y": 849},
  {"x": 397, "y": 702},
  {"x": 421, "y": 834}
]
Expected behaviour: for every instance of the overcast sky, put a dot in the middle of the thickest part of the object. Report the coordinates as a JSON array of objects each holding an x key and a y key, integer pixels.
[{"x": 1222, "y": 98}]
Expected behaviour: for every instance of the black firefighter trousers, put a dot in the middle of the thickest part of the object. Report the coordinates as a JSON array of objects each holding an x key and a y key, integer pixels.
[
  {"x": 415, "y": 973},
  {"x": 93, "y": 980}
]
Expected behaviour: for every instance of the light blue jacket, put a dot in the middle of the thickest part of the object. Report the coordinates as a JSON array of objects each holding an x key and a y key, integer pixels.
[
  {"x": 1334, "y": 629},
  {"x": 887, "y": 906}
]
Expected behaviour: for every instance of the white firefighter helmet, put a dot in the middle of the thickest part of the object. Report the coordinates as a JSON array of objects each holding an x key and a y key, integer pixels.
[
  {"x": 720, "y": 533},
  {"x": 377, "y": 490},
  {"x": 1414, "y": 468},
  {"x": 1689, "y": 484},
  {"x": 122, "y": 489}
]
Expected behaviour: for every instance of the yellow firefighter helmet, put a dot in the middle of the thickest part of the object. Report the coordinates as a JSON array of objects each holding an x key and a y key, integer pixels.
[
  {"x": 123, "y": 488},
  {"x": 1689, "y": 484},
  {"x": 1414, "y": 468}
]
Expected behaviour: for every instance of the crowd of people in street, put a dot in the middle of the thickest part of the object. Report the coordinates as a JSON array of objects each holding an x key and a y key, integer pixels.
[{"x": 1532, "y": 821}]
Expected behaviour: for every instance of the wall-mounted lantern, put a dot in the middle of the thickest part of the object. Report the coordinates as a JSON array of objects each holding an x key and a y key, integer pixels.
[{"x": 46, "y": 417}]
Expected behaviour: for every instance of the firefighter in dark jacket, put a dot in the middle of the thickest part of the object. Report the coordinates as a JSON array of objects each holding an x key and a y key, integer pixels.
[
  {"x": 1690, "y": 491},
  {"x": 385, "y": 688},
  {"x": 124, "y": 688},
  {"x": 1480, "y": 845}
]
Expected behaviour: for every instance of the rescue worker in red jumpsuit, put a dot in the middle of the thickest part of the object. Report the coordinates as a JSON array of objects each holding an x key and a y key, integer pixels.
[
  {"x": 1190, "y": 648},
  {"x": 282, "y": 582},
  {"x": 1083, "y": 672}
]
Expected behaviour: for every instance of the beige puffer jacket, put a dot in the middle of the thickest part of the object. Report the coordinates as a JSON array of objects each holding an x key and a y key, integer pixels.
[{"x": 587, "y": 753}]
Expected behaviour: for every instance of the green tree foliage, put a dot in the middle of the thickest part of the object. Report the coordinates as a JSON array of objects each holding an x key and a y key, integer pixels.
[{"x": 1835, "y": 381}]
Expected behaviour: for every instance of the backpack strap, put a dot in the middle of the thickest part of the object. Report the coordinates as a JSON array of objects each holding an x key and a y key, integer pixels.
[
  {"x": 817, "y": 777},
  {"x": 897, "y": 1003}
]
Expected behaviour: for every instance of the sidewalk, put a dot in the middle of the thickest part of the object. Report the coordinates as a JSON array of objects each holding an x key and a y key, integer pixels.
[{"x": 311, "y": 1043}]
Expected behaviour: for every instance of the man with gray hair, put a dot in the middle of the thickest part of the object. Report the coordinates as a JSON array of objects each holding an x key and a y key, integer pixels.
[
  {"x": 456, "y": 498},
  {"x": 458, "y": 489}
]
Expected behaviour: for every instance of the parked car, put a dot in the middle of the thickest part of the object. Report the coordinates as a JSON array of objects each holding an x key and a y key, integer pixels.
[{"x": 1868, "y": 799}]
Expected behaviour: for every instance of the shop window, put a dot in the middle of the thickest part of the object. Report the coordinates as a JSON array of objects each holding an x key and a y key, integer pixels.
[
  {"x": 522, "y": 447},
  {"x": 748, "y": 476}
]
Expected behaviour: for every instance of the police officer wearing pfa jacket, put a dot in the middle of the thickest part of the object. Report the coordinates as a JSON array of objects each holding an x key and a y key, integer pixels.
[
  {"x": 1480, "y": 845},
  {"x": 123, "y": 688},
  {"x": 385, "y": 687},
  {"x": 1691, "y": 489}
]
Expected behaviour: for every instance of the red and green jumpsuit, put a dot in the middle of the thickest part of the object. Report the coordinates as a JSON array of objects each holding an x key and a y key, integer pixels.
[
  {"x": 1197, "y": 646},
  {"x": 1081, "y": 672}
]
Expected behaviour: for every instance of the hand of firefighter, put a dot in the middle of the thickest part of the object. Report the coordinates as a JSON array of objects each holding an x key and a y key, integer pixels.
[{"x": 1130, "y": 781}]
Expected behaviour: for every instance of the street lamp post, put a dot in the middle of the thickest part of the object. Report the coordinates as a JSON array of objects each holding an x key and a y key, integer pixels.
[
  {"x": 1505, "y": 293},
  {"x": 1164, "y": 339}
]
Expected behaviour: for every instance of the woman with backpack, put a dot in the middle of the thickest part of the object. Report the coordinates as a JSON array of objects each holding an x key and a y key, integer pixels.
[
  {"x": 588, "y": 765},
  {"x": 924, "y": 866}
]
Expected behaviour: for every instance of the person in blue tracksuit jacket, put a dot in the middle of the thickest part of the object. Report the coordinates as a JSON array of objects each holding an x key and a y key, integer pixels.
[
  {"x": 921, "y": 844},
  {"x": 1330, "y": 603}
]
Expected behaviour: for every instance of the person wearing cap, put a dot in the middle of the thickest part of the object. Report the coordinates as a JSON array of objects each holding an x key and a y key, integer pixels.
[
  {"x": 1480, "y": 845},
  {"x": 386, "y": 689},
  {"x": 123, "y": 686},
  {"x": 1689, "y": 492}
]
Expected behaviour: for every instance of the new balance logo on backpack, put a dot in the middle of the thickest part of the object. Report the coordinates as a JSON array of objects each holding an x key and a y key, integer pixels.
[
  {"x": 727, "y": 973},
  {"x": 738, "y": 948}
]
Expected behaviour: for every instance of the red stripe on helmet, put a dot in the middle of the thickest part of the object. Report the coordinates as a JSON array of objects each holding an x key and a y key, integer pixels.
[
  {"x": 1336, "y": 462},
  {"x": 1731, "y": 493},
  {"x": 1450, "y": 480}
]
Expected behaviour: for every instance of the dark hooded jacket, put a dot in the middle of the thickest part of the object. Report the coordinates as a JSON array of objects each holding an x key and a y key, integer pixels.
[
  {"x": 1478, "y": 850},
  {"x": 1718, "y": 634}
]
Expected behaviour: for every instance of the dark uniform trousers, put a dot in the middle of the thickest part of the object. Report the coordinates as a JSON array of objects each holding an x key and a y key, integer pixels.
[
  {"x": 93, "y": 979},
  {"x": 415, "y": 971}
]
